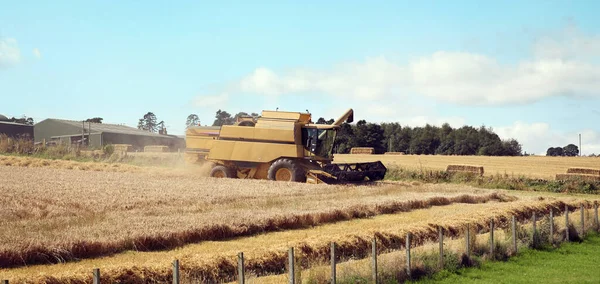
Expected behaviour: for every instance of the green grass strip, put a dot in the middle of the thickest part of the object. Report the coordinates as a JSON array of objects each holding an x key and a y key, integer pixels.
[{"x": 571, "y": 263}]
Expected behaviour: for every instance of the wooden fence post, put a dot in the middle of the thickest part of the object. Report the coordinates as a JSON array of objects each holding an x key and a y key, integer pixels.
[
  {"x": 468, "y": 241},
  {"x": 241, "y": 269},
  {"x": 492, "y": 238},
  {"x": 333, "y": 263},
  {"x": 596, "y": 216},
  {"x": 534, "y": 238},
  {"x": 176, "y": 271},
  {"x": 582, "y": 208},
  {"x": 374, "y": 255},
  {"x": 567, "y": 222},
  {"x": 408, "y": 255},
  {"x": 514, "y": 234},
  {"x": 96, "y": 276},
  {"x": 441, "y": 240},
  {"x": 551, "y": 226},
  {"x": 292, "y": 264}
]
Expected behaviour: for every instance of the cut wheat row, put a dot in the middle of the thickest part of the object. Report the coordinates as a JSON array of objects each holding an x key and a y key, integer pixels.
[{"x": 337, "y": 254}]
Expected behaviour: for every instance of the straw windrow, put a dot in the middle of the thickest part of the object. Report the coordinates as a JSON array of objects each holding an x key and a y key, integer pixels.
[
  {"x": 43, "y": 254},
  {"x": 353, "y": 246}
]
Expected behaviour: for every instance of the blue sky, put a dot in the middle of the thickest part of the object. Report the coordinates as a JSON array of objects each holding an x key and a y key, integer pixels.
[{"x": 529, "y": 69}]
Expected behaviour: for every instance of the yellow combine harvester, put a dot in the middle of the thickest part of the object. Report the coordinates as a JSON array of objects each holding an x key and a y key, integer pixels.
[{"x": 282, "y": 146}]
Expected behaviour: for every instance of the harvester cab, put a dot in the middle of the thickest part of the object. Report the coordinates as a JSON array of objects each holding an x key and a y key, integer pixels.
[{"x": 284, "y": 146}]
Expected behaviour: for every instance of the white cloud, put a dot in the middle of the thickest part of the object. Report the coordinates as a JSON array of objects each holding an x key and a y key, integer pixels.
[
  {"x": 472, "y": 79},
  {"x": 211, "y": 101},
  {"x": 265, "y": 82},
  {"x": 37, "y": 53},
  {"x": 372, "y": 79},
  {"x": 569, "y": 44},
  {"x": 558, "y": 67},
  {"x": 538, "y": 137},
  {"x": 9, "y": 52}
]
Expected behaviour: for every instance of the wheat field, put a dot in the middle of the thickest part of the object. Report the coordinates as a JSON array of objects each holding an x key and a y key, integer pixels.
[
  {"x": 55, "y": 215},
  {"x": 132, "y": 221},
  {"x": 531, "y": 166}
]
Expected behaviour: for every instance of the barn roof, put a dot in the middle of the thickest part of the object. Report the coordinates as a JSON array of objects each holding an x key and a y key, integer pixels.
[{"x": 109, "y": 128}]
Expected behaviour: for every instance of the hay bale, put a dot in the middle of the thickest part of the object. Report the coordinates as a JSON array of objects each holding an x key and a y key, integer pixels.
[
  {"x": 123, "y": 147},
  {"x": 394, "y": 153},
  {"x": 362, "y": 150},
  {"x": 478, "y": 170},
  {"x": 156, "y": 149},
  {"x": 578, "y": 177},
  {"x": 584, "y": 171}
]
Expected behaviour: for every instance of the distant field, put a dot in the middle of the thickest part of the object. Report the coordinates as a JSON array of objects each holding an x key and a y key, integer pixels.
[{"x": 531, "y": 166}]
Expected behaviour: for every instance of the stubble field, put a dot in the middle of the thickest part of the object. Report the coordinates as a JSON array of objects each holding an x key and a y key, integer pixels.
[{"x": 530, "y": 166}]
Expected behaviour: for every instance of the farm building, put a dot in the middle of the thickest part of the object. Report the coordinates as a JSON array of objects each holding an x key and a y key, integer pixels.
[
  {"x": 97, "y": 135},
  {"x": 15, "y": 130}
]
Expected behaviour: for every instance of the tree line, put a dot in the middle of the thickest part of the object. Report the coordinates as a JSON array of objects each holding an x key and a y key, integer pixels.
[
  {"x": 22, "y": 120},
  {"x": 427, "y": 140},
  {"x": 570, "y": 150}
]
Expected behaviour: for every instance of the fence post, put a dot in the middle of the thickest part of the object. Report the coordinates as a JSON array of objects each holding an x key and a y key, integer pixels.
[
  {"x": 514, "y": 234},
  {"x": 241, "y": 272},
  {"x": 374, "y": 255},
  {"x": 468, "y": 241},
  {"x": 441, "y": 239},
  {"x": 596, "y": 216},
  {"x": 96, "y": 276},
  {"x": 408, "y": 255},
  {"x": 567, "y": 222},
  {"x": 333, "y": 262},
  {"x": 292, "y": 263},
  {"x": 551, "y": 226},
  {"x": 176, "y": 271},
  {"x": 492, "y": 238},
  {"x": 534, "y": 238},
  {"x": 582, "y": 208}
]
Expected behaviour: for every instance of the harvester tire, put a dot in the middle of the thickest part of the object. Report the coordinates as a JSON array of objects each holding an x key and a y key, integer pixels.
[
  {"x": 220, "y": 171},
  {"x": 286, "y": 170}
]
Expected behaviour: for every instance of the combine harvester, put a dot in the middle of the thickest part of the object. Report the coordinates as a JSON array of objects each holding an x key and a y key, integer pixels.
[{"x": 282, "y": 146}]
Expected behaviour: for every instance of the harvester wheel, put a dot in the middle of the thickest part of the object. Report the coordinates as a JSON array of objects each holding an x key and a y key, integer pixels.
[
  {"x": 220, "y": 171},
  {"x": 286, "y": 170}
]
